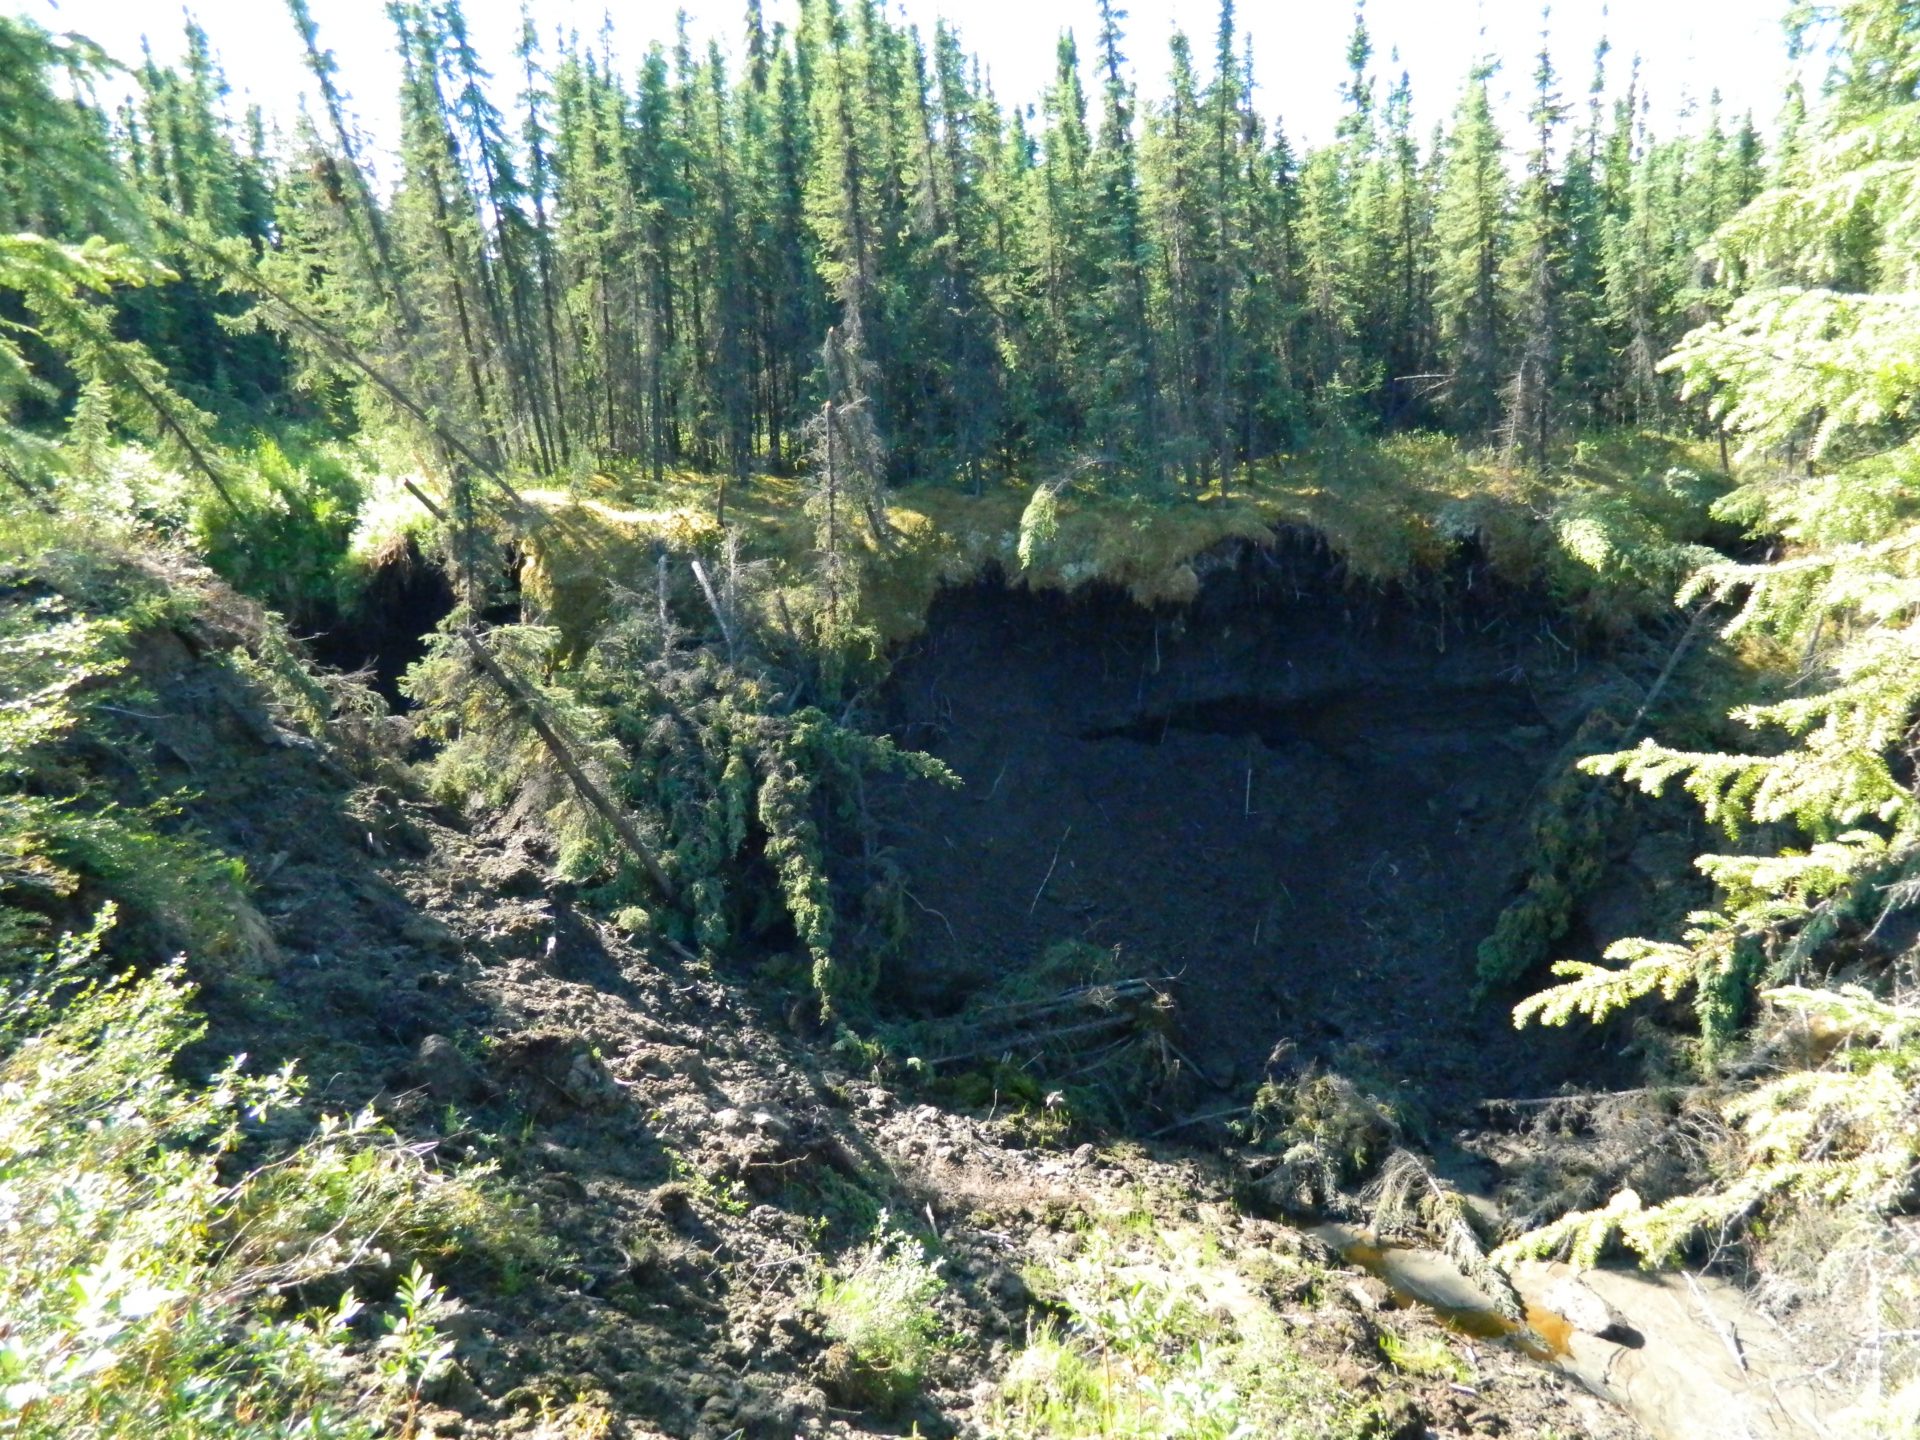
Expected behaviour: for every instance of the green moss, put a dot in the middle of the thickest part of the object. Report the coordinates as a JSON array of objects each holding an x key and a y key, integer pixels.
[{"x": 1608, "y": 527}]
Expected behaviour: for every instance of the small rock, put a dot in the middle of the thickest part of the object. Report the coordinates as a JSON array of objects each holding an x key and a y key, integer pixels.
[
  {"x": 589, "y": 1084},
  {"x": 1582, "y": 1307},
  {"x": 1352, "y": 1377},
  {"x": 1083, "y": 1155},
  {"x": 766, "y": 1123},
  {"x": 461, "y": 1323},
  {"x": 447, "y": 1383},
  {"x": 450, "y": 1077},
  {"x": 426, "y": 933},
  {"x": 688, "y": 1064},
  {"x": 730, "y": 1120},
  {"x": 1370, "y": 1293}
]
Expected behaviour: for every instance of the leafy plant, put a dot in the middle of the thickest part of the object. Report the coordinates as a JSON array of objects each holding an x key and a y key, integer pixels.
[
  {"x": 878, "y": 1308},
  {"x": 1164, "y": 1338},
  {"x": 287, "y": 536},
  {"x": 142, "y": 1285},
  {"x": 1431, "y": 1355}
]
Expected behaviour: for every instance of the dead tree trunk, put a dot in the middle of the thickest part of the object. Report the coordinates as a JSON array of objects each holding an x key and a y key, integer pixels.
[{"x": 529, "y": 706}]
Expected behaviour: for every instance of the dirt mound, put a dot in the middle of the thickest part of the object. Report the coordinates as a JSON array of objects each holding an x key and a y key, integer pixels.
[{"x": 1305, "y": 801}]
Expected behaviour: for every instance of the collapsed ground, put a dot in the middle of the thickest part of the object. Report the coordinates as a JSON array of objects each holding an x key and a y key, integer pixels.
[
  {"x": 695, "y": 1166},
  {"x": 1304, "y": 802}
]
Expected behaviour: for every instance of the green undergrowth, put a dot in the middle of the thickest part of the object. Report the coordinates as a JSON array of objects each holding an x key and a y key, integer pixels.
[
  {"x": 281, "y": 529},
  {"x": 730, "y": 772},
  {"x": 70, "y": 619},
  {"x": 286, "y": 541},
  {"x": 1571, "y": 827},
  {"x": 182, "y": 1253},
  {"x": 1611, "y": 527},
  {"x": 92, "y": 615},
  {"x": 878, "y": 1310},
  {"x": 156, "y": 1286},
  {"x": 1161, "y": 1331}
]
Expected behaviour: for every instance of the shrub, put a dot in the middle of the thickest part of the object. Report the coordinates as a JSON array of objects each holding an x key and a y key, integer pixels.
[
  {"x": 1327, "y": 1130},
  {"x": 879, "y": 1312},
  {"x": 141, "y": 1287},
  {"x": 286, "y": 535},
  {"x": 62, "y": 834}
]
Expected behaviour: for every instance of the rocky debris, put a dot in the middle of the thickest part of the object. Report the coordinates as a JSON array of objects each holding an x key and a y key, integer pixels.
[
  {"x": 379, "y": 819},
  {"x": 765, "y": 1124},
  {"x": 448, "y": 1075},
  {"x": 558, "y": 1069},
  {"x": 695, "y": 1165},
  {"x": 431, "y": 935}
]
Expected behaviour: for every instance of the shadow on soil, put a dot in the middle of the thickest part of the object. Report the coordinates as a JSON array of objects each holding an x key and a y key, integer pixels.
[{"x": 1305, "y": 801}]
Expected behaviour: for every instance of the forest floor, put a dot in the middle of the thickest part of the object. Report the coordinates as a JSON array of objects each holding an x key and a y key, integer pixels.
[{"x": 700, "y": 1165}]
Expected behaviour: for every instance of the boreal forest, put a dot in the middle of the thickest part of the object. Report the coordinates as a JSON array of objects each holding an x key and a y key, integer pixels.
[{"x": 742, "y": 739}]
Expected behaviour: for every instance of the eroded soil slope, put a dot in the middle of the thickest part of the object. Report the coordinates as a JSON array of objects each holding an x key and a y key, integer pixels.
[
  {"x": 696, "y": 1167},
  {"x": 1307, "y": 802}
]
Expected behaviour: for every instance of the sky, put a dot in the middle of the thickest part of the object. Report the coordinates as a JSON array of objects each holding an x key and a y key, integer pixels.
[{"x": 1687, "y": 47}]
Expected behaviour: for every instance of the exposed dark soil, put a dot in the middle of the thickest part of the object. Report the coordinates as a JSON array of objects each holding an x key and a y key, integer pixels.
[
  {"x": 390, "y": 623},
  {"x": 694, "y": 1163},
  {"x": 1306, "y": 801}
]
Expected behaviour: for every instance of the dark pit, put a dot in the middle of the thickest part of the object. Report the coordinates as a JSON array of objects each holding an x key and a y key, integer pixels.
[{"x": 1304, "y": 800}]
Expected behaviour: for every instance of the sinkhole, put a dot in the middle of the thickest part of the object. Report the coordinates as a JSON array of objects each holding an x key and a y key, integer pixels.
[{"x": 1304, "y": 800}]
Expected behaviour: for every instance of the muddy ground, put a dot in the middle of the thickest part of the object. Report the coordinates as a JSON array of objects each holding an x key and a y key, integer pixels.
[{"x": 1305, "y": 801}]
